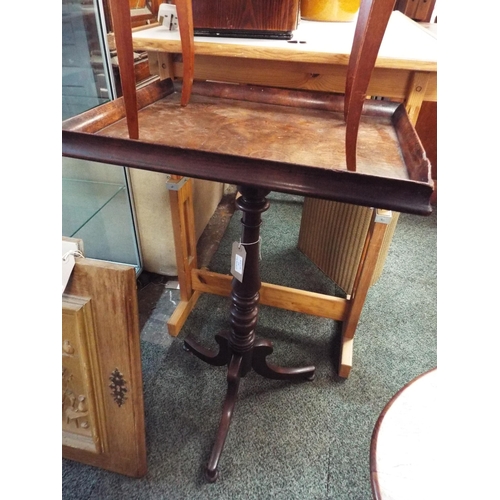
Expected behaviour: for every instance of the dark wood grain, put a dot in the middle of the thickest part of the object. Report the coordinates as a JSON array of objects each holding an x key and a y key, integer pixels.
[
  {"x": 348, "y": 187},
  {"x": 101, "y": 116},
  {"x": 268, "y": 132},
  {"x": 246, "y": 14},
  {"x": 414, "y": 154},
  {"x": 141, "y": 70},
  {"x": 241, "y": 349},
  {"x": 292, "y": 98}
]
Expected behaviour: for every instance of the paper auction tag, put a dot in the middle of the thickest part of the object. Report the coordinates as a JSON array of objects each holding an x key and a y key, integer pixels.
[
  {"x": 69, "y": 252},
  {"x": 68, "y": 263},
  {"x": 238, "y": 257}
]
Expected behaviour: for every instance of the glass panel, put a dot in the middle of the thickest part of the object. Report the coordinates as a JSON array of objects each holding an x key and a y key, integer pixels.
[
  {"x": 97, "y": 205},
  {"x": 83, "y": 200},
  {"x": 84, "y": 82}
]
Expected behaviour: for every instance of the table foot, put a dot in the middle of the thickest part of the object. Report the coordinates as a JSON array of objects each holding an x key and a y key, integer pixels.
[
  {"x": 216, "y": 359},
  {"x": 263, "y": 348},
  {"x": 233, "y": 382}
]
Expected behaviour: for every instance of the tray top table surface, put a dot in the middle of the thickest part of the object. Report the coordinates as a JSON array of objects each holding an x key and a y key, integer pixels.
[
  {"x": 267, "y": 132},
  {"x": 248, "y": 135}
]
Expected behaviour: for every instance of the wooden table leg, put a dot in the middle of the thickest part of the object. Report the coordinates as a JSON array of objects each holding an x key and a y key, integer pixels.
[
  {"x": 371, "y": 251},
  {"x": 181, "y": 207},
  {"x": 321, "y": 254},
  {"x": 373, "y": 243},
  {"x": 415, "y": 94}
]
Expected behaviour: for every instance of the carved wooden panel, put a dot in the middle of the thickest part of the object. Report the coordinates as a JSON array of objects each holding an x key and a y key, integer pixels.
[
  {"x": 80, "y": 384},
  {"x": 102, "y": 398}
]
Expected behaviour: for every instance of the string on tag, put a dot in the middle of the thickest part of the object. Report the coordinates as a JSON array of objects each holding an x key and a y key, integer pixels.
[
  {"x": 74, "y": 253},
  {"x": 253, "y": 243}
]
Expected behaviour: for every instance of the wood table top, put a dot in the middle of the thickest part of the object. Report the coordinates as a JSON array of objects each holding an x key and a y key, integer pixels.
[
  {"x": 403, "y": 457},
  {"x": 225, "y": 133},
  {"x": 406, "y": 44}
]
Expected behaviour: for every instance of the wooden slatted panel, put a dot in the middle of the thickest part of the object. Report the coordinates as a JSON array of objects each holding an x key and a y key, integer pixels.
[{"x": 336, "y": 244}]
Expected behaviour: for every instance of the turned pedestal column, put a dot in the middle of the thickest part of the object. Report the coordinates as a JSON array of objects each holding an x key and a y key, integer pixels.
[{"x": 239, "y": 348}]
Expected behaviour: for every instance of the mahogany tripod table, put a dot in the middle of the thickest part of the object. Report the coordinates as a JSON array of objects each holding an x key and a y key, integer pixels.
[
  {"x": 341, "y": 148},
  {"x": 239, "y": 348},
  {"x": 101, "y": 135}
]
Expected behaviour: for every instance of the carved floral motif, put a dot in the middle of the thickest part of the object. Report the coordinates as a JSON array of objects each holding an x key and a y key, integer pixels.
[{"x": 118, "y": 387}]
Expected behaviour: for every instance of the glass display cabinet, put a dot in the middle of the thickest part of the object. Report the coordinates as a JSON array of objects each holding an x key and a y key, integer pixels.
[{"x": 97, "y": 204}]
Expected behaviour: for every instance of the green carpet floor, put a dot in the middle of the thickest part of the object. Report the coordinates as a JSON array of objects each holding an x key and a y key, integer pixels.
[{"x": 301, "y": 440}]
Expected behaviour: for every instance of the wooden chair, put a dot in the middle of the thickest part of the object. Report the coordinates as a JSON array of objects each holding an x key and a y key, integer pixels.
[{"x": 365, "y": 153}]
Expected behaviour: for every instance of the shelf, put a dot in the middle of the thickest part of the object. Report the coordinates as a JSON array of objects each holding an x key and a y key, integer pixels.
[{"x": 83, "y": 200}]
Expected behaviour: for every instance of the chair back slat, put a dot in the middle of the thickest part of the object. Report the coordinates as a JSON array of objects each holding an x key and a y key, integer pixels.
[{"x": 370, "y": 28}]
